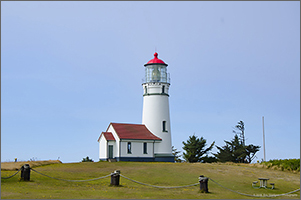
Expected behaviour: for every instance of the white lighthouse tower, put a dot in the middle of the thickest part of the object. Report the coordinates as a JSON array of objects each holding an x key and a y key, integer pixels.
[{"x": 156, "y": 107}]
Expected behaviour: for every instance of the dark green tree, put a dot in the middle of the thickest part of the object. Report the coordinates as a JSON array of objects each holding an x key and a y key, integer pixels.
[
  {"x": 208, "y": 159},
  {"x": 87, "y": 159},
  {"x": 233, "y": 151},
  {"x": 236, "y": 150},
  {"x": 225, "y": 153},
  {"x": 175, "y": 152},
  {"x": 194, "y": 149},
  {"x": 251, "y": 150},
  {"x": 240, "y": 130}
]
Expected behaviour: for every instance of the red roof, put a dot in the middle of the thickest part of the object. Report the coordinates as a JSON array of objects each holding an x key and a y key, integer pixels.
[
  {"x": 156, "y": 60},
  {"x": 133, "y": 131},
  {"x": 107, "y": 135}
]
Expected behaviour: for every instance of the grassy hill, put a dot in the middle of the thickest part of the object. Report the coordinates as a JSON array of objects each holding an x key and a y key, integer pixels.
[{"x": 237, "y": 177}]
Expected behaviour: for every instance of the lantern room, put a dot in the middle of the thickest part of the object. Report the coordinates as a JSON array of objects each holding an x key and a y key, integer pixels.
[{"x": 156, "y": 71}]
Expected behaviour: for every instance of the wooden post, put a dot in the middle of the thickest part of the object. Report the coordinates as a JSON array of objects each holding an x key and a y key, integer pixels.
[
  {"x": 203, "y": 184},
  {"x": 25, "y": 172},
  {"x": 115, "y": 177}
]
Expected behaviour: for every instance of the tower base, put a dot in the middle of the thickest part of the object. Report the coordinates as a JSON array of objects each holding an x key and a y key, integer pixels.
[
  {"x": 157, "y": 158},
  {"x": 164, "y": 158}
]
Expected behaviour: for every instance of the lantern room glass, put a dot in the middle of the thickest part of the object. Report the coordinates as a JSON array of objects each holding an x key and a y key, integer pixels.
[{"x": 156, "y": 73}]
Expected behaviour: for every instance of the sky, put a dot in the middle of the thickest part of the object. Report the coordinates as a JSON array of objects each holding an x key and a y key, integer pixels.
[{"x": 68, "y": 69}]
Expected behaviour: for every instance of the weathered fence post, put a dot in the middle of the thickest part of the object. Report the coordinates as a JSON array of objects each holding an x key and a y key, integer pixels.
[
  {"x": 115, "y": 177},
  {"x": 203, "y": 184},
  {"x": 25, "y": 172}
]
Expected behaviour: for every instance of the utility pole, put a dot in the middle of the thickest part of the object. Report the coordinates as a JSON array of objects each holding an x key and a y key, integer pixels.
[{"x": 263, "y": 139}]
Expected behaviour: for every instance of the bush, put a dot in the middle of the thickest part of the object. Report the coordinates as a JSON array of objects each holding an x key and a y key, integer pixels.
[
  {"x": 286, "y": 164},
  {"x": 87, "y": 159},
  {"x": 209, "y": 159}
]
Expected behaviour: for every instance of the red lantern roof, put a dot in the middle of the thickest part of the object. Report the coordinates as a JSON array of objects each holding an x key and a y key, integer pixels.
[{"x": 155, "y": 60}]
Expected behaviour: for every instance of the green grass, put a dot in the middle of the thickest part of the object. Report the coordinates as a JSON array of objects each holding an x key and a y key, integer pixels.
[{"x": 238, "y": 177}]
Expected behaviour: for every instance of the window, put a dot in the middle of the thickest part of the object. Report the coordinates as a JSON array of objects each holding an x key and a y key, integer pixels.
[
  {"x": 145, "y": 89},
  {"x": 164, "y": 126},
  {"x": 129, "y": 147},
  {"x": 163, "y": 88},
  {"x": 145, "y": 148}
]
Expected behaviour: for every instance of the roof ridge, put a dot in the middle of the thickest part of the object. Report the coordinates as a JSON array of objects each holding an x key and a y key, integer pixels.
[{"x": 125, "y": 123}]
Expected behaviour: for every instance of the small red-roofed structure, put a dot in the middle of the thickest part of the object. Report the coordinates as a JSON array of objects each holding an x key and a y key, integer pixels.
[{"x": 127, "y": 142}]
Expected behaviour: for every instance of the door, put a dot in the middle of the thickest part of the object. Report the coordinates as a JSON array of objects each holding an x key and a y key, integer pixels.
[{"x": 110, "y": 151}]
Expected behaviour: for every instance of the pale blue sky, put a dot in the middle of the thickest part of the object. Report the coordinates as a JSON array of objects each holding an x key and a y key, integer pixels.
[{"x": 68, "y": 69}]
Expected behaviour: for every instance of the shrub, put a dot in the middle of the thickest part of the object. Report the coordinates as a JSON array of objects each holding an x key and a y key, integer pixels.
[
  {"x": 87, "y": 159},
  {"x": 286, "y": 164}
]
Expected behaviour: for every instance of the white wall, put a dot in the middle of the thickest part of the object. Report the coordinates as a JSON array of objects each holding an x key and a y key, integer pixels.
[
  {"x": 137, "y": 148},
  {"x": 155, "y": 111},
  {"x": 102, "y": 147},
  {"x": 156, "y": 88}
]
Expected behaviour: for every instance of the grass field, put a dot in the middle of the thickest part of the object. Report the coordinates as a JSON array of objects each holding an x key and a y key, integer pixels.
[{"x": 238, "y": 177}]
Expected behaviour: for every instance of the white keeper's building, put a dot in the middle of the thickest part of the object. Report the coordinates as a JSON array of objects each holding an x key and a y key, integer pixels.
[{"x": 151, "y": 140}]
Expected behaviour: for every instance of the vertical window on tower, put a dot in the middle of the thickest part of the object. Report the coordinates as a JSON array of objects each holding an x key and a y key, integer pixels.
[
  {"x": 145, "y": 148},
  {"x": 129, "y": 147},
  {"x": 164, "y": 126},
  {"x": 163, "y": 89},
  {"x": 145, "y": 89}
]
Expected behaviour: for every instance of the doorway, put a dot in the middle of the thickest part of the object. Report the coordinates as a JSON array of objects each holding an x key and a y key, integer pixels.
[{"x": 110, "y": 151}]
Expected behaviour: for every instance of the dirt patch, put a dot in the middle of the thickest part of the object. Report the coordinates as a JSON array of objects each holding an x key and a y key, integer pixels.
[{"x": 11, "y": 166}]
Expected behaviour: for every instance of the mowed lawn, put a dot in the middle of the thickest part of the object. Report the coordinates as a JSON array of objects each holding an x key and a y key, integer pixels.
[{"x": 237, "y": 177}]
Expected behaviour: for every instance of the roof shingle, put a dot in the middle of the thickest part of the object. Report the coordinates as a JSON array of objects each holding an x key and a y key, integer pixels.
[
  {"x": 108, "y": 135},
  {"x": 133, "y": 131}
]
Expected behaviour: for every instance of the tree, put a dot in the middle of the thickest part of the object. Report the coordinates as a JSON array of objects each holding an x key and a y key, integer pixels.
[
  {"x": 175, "y": 152},
  {"x": 251, "y": 150},
  {"x": 233, "y": 151},
  {"x": 194, "y": 148},
  {"x": 241, "y": 131},
  {"x": 208, "y": 159},
  {"x": 225, "y": 153},
  {"x": 236, "y": 150},
  {"x": 87, "y": 159}
]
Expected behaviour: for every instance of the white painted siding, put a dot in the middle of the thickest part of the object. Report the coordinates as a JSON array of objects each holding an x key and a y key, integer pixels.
[
  {"x": 102, "y": 148},
  {"x": 137, "y": 148}
]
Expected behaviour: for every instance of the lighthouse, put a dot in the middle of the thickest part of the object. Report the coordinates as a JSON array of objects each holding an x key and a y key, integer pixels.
[
  {"x": 155, "y": 114},
  {"x": 151, "y": 140}
]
